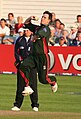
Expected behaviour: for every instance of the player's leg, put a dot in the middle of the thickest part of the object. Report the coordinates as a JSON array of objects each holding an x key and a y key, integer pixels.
[
  {"x": 33, "y": 85},
  {"x": 19, "y": 97},
  {"x": 25, "y": 70},
  {"x": 43, "y": 73}
]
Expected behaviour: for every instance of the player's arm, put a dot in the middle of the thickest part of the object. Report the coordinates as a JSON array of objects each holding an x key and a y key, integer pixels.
[
  {"x": 16, "y": 54},
  {"x": 18, "y": 60},
  {"x": 28, "y": 20},
  {"x": 44, "y": 32}
]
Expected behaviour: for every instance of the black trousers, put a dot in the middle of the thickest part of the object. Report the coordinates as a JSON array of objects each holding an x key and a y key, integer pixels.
[{"x": 20, "y": 87}]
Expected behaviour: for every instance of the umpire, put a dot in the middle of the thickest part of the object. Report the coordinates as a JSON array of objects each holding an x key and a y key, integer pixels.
[{"x": 23, "y": 48}]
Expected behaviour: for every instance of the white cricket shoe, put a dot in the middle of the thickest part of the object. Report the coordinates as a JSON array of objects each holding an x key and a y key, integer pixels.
[
  {"x": 35, "y": 109},
  {"x": 27, "y": 91},
  {"x": 15, "y": 108},
  {"x": 54, "y": 88}
]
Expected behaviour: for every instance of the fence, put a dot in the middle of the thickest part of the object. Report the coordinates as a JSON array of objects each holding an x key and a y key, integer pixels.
[{"x": 62, "y": 59}]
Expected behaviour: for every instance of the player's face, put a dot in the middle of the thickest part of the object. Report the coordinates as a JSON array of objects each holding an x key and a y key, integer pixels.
[
  {"x": 45, "y": 19},
  {"x": 21, "y": 33},
  {"x": 28, "y": 33}
]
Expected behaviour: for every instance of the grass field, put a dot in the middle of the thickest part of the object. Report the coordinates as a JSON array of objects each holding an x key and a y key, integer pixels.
[{"x": 64, "y": 104}]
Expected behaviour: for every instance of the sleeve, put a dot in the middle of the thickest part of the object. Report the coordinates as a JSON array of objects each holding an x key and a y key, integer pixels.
[
  {"x": 44, "y": 32},
  {"x": 32, "y": 27},
  {"x": 16, "y": 51},
  {"x": 20, "y": 49}
]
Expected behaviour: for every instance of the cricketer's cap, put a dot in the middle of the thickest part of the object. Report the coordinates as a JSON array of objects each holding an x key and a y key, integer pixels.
[{"x": 21, "y": 30}]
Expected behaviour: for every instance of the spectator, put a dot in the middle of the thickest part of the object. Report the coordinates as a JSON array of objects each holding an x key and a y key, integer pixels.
[
  {"x": 11, "y": 23},
  {"x": 62, "y": 42},
  {"x": 72, "y": 34},
  {"x": 79, "y": 28},
  {"x": 12, "y": 39},
  {"x": 53, "y": 19},
  {"x": 62, "y": 26},
  {"x": 78, "y": 39},
  {"x": 8, "y": 40},
  {"x": 65, "y": 33},
  {"x": 52, "y": 37},
  {"x": 4, "y": 30},
  {"x": 57, "y": 28},
  {"x": 78, "y": 22},
  {"x": 19, "y": 24}
]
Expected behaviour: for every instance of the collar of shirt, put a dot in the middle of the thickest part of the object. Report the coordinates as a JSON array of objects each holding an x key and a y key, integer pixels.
[{"x": 27, "y": 38}]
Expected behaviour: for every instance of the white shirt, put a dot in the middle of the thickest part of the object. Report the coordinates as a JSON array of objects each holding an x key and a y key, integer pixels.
[
  {"x": 5, "y": 30},
  {"x": 57, "y": 44},
  {"x": 73, "y": 36},
  {"x": 27, "y": 38}
]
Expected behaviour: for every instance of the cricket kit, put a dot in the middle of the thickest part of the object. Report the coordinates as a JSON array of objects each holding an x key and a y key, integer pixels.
[
  {"x": 38, "y": 58},
  {"x": 22, "y": 50}
]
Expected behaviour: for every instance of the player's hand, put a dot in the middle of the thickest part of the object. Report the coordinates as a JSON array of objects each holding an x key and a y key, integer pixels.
[
  {"x": 17, "y": 64},
  {"x": 34, "y": 18},
  {"x": 35, "y": 37}
]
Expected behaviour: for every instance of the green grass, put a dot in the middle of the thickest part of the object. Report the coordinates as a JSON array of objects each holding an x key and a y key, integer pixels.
[{"x": 66, "y": 99}]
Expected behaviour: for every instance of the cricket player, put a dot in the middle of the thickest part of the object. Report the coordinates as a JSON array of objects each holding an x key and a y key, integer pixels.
[
  {"x": 23, "y": 48},
  {"x": 39, "y": 57}
]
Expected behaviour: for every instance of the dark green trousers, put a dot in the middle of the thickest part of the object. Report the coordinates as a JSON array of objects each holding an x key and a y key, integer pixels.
[{"x": 38, "y": 61}]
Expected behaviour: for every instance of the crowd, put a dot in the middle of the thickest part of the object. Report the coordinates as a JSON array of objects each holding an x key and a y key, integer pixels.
[
  {"x": 11, "y": 29},
  {"x": 60, "y": 36}
]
